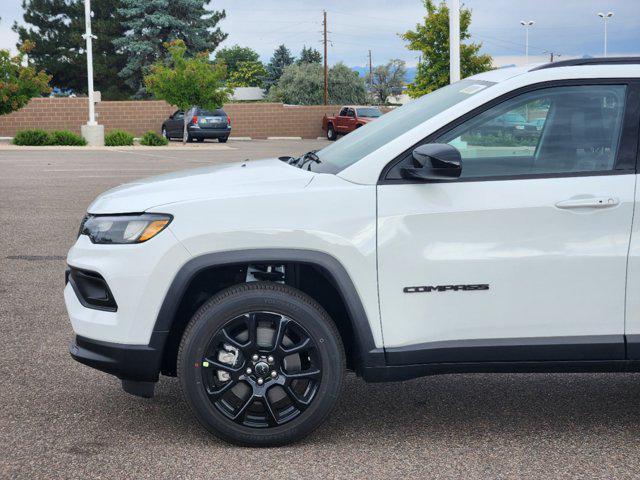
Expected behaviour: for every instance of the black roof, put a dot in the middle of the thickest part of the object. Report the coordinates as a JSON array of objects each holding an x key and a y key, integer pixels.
[{"x": 590, "y": 61}]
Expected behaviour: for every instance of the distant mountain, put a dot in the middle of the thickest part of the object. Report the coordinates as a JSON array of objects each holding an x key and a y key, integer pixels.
[{"x": 364, "y": 72}]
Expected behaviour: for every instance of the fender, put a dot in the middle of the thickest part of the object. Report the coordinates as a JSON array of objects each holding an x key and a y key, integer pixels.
[{"x": 366, "y": 356}]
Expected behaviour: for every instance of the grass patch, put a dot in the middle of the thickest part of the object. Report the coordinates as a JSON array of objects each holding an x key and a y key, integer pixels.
[
  {"x": 118, "y": 138},
  {"x": 65, "y": 137},
  {"x": 34, "y": 138},
  {"x": 152, "y": 139}
]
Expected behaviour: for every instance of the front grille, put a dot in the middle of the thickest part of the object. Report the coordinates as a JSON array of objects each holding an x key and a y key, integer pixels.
[{"x": 91, "y": 289}]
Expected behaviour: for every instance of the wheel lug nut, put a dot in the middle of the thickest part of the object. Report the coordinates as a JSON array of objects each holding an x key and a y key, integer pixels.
[
  {"x": 270, "y": 359},
  {"x": 260, "y": 381},
  {"x": 248, "y": 371},
  {"x": 274, "y": 374},
  {"x": 255, "y": 357}
]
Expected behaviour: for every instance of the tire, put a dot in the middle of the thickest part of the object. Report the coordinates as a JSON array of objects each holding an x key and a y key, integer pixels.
[
  {"x": 165, "y": 133},
  {"x": 316, "y": 369},
  {"x": 331, "y": 133},
  {"x": 223, "y": 140},
  {"x": 200, "y": 139},
  {"x": 189, "y": 139}
]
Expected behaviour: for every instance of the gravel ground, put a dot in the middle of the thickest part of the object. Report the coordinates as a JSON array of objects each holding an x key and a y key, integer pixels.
[{"x": 59, "y": 419}]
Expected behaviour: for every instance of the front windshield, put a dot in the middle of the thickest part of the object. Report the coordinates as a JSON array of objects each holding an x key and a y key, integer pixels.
[
  {"x": 362, "y": 141},
  {"x": 371, "y": 112}
]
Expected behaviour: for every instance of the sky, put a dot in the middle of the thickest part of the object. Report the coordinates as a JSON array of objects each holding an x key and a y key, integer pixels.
[{"x": 567, "y": 27}]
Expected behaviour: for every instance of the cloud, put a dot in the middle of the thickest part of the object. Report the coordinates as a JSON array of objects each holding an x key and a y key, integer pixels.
[{"x": 570, "y": 27}]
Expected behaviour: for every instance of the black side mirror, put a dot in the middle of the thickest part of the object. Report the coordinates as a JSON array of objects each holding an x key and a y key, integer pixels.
[{"x": 434, "y": 161}]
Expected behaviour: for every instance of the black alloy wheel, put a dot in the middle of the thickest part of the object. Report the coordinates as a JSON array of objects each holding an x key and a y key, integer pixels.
[
  {"x": 261, "y": 364},
  {"x": 261, "y": 382}
]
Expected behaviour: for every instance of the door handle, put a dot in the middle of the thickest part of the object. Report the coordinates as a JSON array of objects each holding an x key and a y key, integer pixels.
[{"x": 589, "y": 202}]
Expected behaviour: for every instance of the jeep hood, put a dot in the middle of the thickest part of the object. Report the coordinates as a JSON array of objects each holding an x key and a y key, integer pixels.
[{"x": 242, "y": 178}]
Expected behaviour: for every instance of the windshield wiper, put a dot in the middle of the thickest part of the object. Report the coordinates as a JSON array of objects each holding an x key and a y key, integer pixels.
[{"x": 308, "y": 157}]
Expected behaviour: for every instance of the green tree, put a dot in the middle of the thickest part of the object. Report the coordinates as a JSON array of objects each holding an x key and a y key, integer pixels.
[
  {"x": 309, "y": 55},
  {"x": 304, "y": 85},
  {"x": 56, "y": 28},
  {"x": 431, "y": 38},
  {"x": 233, "y": 56},
  {"x": 247, "y": 74},
  {"x": 186, "y": 82},
  {"x": 388, "y": 79},
  {"x": 151, "y": 24},
  {"x": 280, "y": 60},
  {"x": 19, "y": 84}
]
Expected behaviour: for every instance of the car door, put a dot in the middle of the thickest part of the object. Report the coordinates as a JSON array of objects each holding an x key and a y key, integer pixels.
[
  {"x": 341, "y": 120},
  {"x": 176, "y": 124},
  {"x": 350, "y": 120},
  {"x": 523, "y": 258}
]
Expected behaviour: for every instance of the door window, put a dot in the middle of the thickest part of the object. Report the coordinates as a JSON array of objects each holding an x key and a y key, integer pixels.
[
  {"x": 553, "y": 130},
  {"x": 351, "y": 113},
  {"x": 343, "y": 112}
]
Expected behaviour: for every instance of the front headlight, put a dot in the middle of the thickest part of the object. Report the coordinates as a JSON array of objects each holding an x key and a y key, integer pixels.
[{"x": 135, "y": 228}]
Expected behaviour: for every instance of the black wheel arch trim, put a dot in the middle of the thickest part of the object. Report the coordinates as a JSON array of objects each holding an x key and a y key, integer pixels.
[{"x": 367, "y": 355}]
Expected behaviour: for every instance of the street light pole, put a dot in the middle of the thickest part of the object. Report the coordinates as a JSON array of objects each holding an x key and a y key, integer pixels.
[
  {"x": 92, "y": 132},
  {"x": 605, "y": 17},
  {"x": 88, "y": 38},
  {"x": 454, "y": 41},
  {"x": 526, "y": 25}
]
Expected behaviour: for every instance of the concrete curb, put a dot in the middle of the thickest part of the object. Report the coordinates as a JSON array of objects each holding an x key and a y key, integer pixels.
[
  {"x": 284, "y": 138},
  {"x": 134, "y": 148}
]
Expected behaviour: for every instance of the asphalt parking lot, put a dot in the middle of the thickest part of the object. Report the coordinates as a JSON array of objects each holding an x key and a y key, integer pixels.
[{"x": 59, "y": 419}]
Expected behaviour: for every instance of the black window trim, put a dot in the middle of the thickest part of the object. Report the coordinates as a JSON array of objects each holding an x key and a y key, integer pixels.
[{"x": 627, "y": 158}]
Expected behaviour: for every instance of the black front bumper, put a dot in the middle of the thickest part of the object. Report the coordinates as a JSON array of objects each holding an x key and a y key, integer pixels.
[{"x": 138, "y": 366}]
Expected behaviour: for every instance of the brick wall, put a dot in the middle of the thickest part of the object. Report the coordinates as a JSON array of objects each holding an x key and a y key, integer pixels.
[{"x": 256, "y": 120}]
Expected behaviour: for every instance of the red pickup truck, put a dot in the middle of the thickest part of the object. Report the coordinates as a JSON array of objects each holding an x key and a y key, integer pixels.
[{"x": 348, "y": 119}]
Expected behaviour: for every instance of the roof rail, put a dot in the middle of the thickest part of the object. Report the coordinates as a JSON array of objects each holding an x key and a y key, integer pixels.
[{"x": 590, "y": 61}]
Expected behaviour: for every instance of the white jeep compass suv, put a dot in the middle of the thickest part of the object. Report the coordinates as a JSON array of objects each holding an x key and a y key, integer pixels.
[{"x": 487, "y": 226}]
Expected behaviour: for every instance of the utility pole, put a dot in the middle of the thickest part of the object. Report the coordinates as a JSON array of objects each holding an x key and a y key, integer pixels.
[
  {"x": 605, "y": 17},
  {"x": 370, "y": 72},
  {"x": 326, "y": 66},
  {"x": 92, "y": 132},
  {"x": 454, "y": 41},
  {"x": 552, "y": 55},
  {"x": 526, "y": 25}
]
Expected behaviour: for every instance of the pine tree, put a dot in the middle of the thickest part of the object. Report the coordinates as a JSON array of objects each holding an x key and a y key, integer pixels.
[
  {"x": 281, "y": 59},
  {"x": 309, "y": 55},
  {"x": 151, "y": 24},
  {"x": 55, "y": 28}
]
